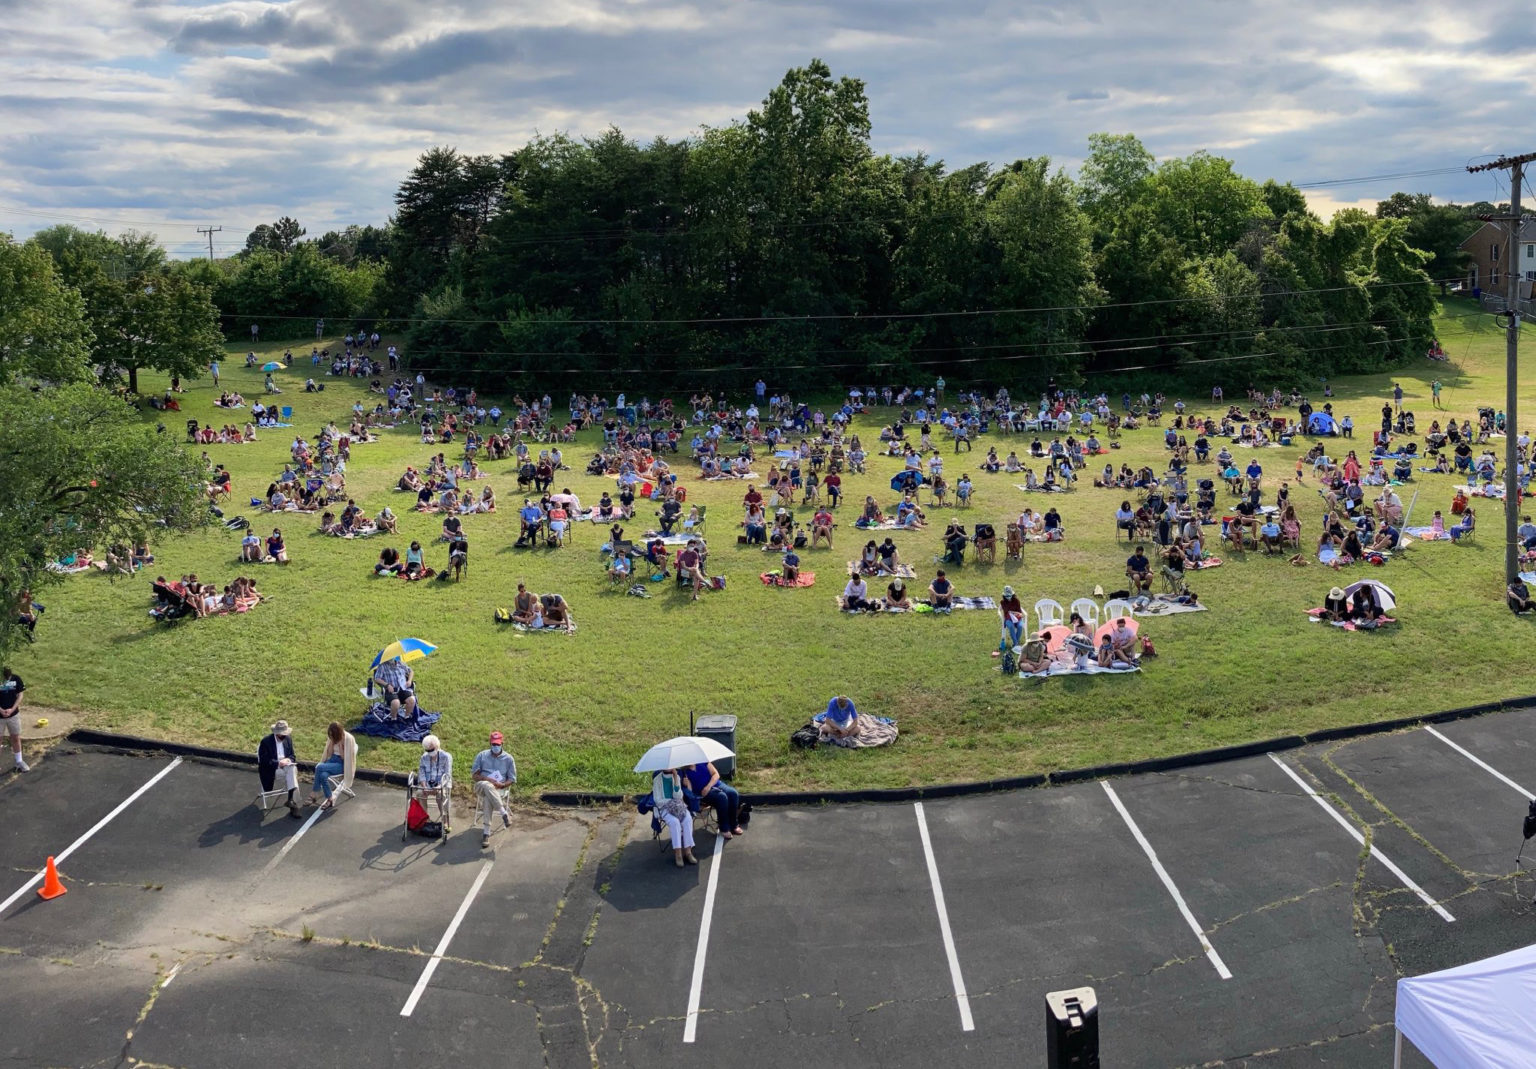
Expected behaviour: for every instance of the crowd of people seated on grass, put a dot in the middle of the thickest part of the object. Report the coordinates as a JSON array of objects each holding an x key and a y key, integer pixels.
[{"x": 191, "y": 596}]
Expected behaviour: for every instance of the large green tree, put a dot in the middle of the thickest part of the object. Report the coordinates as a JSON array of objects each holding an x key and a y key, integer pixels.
[
  {"x": 1438, "y": 229},
  {"x": 164, "y": 322},
  {"x": 82, "y": 471},
  {"x": 43, "y": 331}
]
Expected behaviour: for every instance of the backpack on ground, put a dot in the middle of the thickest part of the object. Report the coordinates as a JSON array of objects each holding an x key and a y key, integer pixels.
[
  {"x": 1010, "y": 662},
  {"x": 503, "y": 616},
  {"x": 806, "y": 737}
]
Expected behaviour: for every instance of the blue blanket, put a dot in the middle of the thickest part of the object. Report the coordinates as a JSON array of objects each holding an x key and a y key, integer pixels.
[{"x": 380, "y": 724}]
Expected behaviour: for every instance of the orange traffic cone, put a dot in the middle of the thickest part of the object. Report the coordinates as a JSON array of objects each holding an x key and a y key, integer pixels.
[{"x": 51, "y": 887}]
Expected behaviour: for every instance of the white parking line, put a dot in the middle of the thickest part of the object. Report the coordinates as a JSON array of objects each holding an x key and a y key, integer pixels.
[
  {"x": 1355, "y": 834},
  {"x": 293, "y": 841},
  {"x": 1162, "y": 874},
  {"x": 1480, "y": 763},
  {"x": 102, "y": 823},
  {"x": 442, "y": 944},
  {"x": 966, "y": 1023},
  {"x": 696, "y": 988}
]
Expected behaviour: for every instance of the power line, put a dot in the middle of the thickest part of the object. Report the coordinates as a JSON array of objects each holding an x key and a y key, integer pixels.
[{"x": 897, "y": 316}]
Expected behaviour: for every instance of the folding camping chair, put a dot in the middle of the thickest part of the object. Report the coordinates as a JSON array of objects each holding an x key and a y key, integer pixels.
[{"x": 349, "y": 769}]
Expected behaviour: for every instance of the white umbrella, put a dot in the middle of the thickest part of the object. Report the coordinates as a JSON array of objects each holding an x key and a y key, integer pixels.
[
  {"x": 1384, "y": 595},
  {"x": 683, "y": 750}
]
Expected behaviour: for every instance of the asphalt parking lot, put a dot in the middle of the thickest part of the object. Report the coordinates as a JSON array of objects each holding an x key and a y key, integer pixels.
[{"x": 1226, "y": 915}]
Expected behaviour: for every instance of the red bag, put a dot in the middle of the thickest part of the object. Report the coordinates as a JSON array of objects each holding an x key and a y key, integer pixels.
[{"x": 415, "y": 815}]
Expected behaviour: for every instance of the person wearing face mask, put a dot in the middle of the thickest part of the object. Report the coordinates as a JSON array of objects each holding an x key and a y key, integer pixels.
[
  {"x": 434, "y": 775},
  {"x": 493, "y": 772}
]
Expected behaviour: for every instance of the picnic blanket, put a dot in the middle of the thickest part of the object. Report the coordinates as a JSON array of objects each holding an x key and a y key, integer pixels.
[
  {"x": 68, "y": 569},
  {"x": 591, "y": 515},
  {"x": 1349, "y": 625},
  {"x": 777, "y": 579},
  {"x": 1041, "y": 489},
  {"x": 1163, "y": 605},
  {"x": 1061, "y": 668},
  {"x": 1427, "y": 534},
  {"x": 666, "y": 540},
  {"x": 1492, "y": 490},
  {"x": 872, "y": 731},
  {"x": 547, "y": 629},
  {"x": 732, "y": 475},
  {"x": 883, "y": 525},
  {"x": 904, "y": 571},
  {"x": 378, "y": 723},
  {"x": 974, "y": 603},
  {"x": 1208, "y": 562}
]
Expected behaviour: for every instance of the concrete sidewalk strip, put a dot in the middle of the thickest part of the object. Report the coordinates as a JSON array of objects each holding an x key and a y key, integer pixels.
[
  {"x": 102, "y": 823},
  {"x": 967, "y": 1024},
  {"x": 442, "y": 944},
  {"x": 696, "y": 987},
  {"x": 1356, "y": 834},
  {"x": 1480, "y": 763},
  {"x": 1173, "y": 890}
]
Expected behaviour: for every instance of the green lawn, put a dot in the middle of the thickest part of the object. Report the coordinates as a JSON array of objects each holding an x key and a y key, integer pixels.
[{"x": 578, "y": 710}]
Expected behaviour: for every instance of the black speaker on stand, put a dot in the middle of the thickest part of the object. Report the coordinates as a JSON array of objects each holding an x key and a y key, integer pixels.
[{"x": 1072, "y": 1029}]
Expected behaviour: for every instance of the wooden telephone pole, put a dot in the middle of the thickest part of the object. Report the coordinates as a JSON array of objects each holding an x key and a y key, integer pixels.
[
  {"x": 210, "y": 231},
  {"x": 1515, "y": 165}
]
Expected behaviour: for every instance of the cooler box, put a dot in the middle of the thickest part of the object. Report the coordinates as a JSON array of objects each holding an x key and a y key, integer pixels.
[{"x": 721, "y": 727}]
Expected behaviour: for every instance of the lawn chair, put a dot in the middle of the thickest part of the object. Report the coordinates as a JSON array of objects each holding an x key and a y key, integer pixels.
[
  {"x": 287, "y": 414},
  {"x": 1015, "y": 542},
  {"x": 985, "y": 540},
  {"x": 694, "y": 526},
  {"x": 1118, "y": 607},
  {"x": 416, "y": 791},
  {"x": 348, "y": 770},
  {"x": 1088, "y": 609},
  {"x": 1049, "y": 612}
]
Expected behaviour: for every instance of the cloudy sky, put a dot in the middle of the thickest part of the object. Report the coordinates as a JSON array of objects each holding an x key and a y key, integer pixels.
[{"x": 168, "y": 115}]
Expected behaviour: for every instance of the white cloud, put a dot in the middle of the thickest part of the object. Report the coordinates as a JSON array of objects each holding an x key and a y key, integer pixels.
[{"x": 236, "y": 111}]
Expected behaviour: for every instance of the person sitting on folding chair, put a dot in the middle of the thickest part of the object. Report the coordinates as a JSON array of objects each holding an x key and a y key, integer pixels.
[
  {"x": 434, "y": 775},
  {"x": 1139, "y": 570},
  {"x": 275, "y": 757},
  {"x": 333, "y": 762},
  {"x": 399, "y": 686},
  {"x": 494, "y": 772}
]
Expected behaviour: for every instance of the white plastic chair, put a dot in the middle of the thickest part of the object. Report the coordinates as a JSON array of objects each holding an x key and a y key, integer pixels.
[
  {"x": 1049, "y": 612},
  {"x": 1088, "y": 609},
  {"x": 1117, "y": 608}
]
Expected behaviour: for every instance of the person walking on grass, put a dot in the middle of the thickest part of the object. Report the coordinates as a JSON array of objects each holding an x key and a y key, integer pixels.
[
  {"x": 494, "y": 772},
  {"x": 1434, "y": 389},
  {"x": 11, "y": 687}
]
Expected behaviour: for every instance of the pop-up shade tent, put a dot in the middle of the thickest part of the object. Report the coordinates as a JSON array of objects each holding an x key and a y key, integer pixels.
[
  {"x": 1322, "y": 423},
  {"x": 1475, "y": 1016}
]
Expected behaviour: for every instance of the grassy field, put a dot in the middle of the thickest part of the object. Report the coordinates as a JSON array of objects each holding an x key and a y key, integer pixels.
[{"x": 578, "y": 710}]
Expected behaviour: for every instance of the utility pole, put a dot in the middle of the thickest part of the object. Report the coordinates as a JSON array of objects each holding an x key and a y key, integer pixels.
[
  {"x": 1515, "y": 165},
  {"x": 210, "y": 231}
]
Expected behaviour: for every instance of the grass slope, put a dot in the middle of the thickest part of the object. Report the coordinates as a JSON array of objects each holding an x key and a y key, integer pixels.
[{"x": 579, "y": 710}]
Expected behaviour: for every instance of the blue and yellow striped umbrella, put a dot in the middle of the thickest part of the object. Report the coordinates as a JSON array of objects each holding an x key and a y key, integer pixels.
[{"x": 406, "y": 649}]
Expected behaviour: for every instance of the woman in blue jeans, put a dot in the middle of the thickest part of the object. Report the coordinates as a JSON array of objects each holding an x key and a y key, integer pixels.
[
  {"x": 704, "y": 782},
  {"x": 333, "y": 762}
]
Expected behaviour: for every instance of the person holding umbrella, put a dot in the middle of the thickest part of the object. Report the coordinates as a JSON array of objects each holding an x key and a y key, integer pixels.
[
  {"x": 672, "y": 810},
  {"x": 493, "y": 772}
]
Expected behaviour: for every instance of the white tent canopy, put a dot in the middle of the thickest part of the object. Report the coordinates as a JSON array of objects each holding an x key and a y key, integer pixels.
[{"x": 1473, "y": 1016}]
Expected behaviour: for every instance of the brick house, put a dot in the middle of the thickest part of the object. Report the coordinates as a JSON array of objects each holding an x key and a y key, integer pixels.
[{"x": 1488, "y": 258}]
